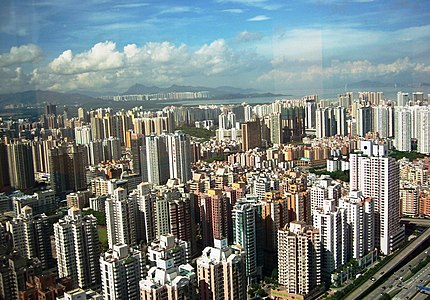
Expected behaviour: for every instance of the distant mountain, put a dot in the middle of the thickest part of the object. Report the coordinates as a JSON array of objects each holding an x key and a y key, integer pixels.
[
  {"x": 29, "y": 98},
  {"x": 214, "y": 92}
]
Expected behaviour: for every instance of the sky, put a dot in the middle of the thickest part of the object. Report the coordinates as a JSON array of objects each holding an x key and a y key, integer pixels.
[{"x": 105, "y": 46}]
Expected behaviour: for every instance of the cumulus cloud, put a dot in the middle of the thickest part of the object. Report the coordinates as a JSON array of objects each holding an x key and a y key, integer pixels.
[
  {"x": 106, "y": 67},
  {"x": 102, "y": 56},
  {"x": 21, "y": 54},
  {"x": 247, "y": 36}
]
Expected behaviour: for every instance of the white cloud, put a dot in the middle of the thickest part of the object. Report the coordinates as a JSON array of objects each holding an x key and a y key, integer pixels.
[
  {"x": 263, "y": 4},
  {"x": 247, "y": 36},
  {"x": 21, "y": 54},
  {"x": 290, "y": 74},
  {"x": 104, "y": 67},
  {"x": 234, "y": 10},
  {"x": 102, "y": 56},
  {"x": 259, "y": 18}
]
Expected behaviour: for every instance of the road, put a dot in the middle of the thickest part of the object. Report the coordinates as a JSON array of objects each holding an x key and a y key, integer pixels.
[
  {"x": 394, "y": 283},
  {"x": 389, "y": 266}
]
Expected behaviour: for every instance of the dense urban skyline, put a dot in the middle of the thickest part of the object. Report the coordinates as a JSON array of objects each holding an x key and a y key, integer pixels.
[{"x": 105, "y": 46}]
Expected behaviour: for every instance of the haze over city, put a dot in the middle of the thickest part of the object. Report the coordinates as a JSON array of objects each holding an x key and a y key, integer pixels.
[{"x": 106, "y": 46}]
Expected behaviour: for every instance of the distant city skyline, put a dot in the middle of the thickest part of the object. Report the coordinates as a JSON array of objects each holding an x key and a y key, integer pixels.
[{"x": 105, "y": 46}]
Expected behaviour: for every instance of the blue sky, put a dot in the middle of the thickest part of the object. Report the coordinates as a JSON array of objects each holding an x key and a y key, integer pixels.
[{"x": 106, "y": 46}]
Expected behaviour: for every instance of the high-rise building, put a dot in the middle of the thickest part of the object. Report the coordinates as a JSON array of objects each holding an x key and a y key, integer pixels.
[
  {"x": 138, "y": 153},
  {"x": 215, "y": 216},
  {"x": 83, "y": 135},
  {"x": 310, "y": 110},
  {"x": 67, "y": 168},
  {"x": 325, "y": 122},
  {"x": 402, "y": 128},
  {"x": 30, "y": 236},
  {"x": 121, "y": 270},
  {"x": 4, "y": 169},
  {"x": 121, "y": 218},
  {"x": 423, "y": 130},
  {"x": 179, "y": 151},
  {"x": 377, "y": 176},
  {"x": 402, "y": 99},
  {"x": 331, "y": 223},
  {"x": 299, "y": 258},
  {"x": 247, "y": 232},
  {"x": 181, "y": 222},
  {"x": 383, "y": 120},
  {"x": 360, "y": 212},
  {"x": 221, "y": 272},
  {"x": 145, "y": 203},
  {"x": 274, "y": 214},
  {"x": 251, "y": 135},
  {"x": 167, "y": 281},
  {"x": 157, "y": 156},
  {"x": 324, "y": 188},
  {"x": 77, "y": 248},
  {"x": 20, "y": 162},
  {"x": 364, "y": 120}
]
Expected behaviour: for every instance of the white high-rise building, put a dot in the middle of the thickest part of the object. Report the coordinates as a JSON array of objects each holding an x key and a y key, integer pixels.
[
  {"x": 324, "y": 189},
  {"x": 179, "y": 150},
  {"x": 77, "y": 248},
  {"x": 121, "y": 270},
  {"x": 423, "y": 133},
  {"x": 83, "y": 135},
  {"x": 121, "y": 212},
  {"x": 299, "y": 258},
  {"x": 331, "y": 223},
  {"x": 168, "y": 281},
  {"x": 377, "y": 176},
  {"x": 360, "y": 212},
  {"x": 29, "y": 236},
  {"x": 402, "y": 99},
  {"x": 402, "y": 128},
  {"x": 382, "y": 120}
]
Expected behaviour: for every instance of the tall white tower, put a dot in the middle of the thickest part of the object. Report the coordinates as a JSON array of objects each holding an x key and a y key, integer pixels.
[
  {"x": 77, "y": 246},
  {"x": 402, "y": 128},
  {"x": 121, "y": 271},
  {"x": 377, "y": 176}
]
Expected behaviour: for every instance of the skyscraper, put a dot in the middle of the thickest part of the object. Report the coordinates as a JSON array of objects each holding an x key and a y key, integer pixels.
[
  {"x": 402, "y": 128},
  {"x": 121, "y": 215},
  {"x": 77, "y": 248},
  {"x": 121, "y": 271},
  {"x": 360, "y": 212},
  {"x": 331, "y": 223},
  {"x": 67, "y": 168},
  {"x": 247, "y": 232},
  {"x": 423, "y": 130},
  {"x": 221, "y": 272},
  {"x": 20, "y": 161},
  {"x": 251, "y": 135},
  {"x": 157, "y": 156},
  {"x": 377, "y": 176},
  {"x": 30, "y": 236},
  {"x": 179, "y": 151},
  {"x": 364, "y": 120},
  {"x": 299, "y": 258}
]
